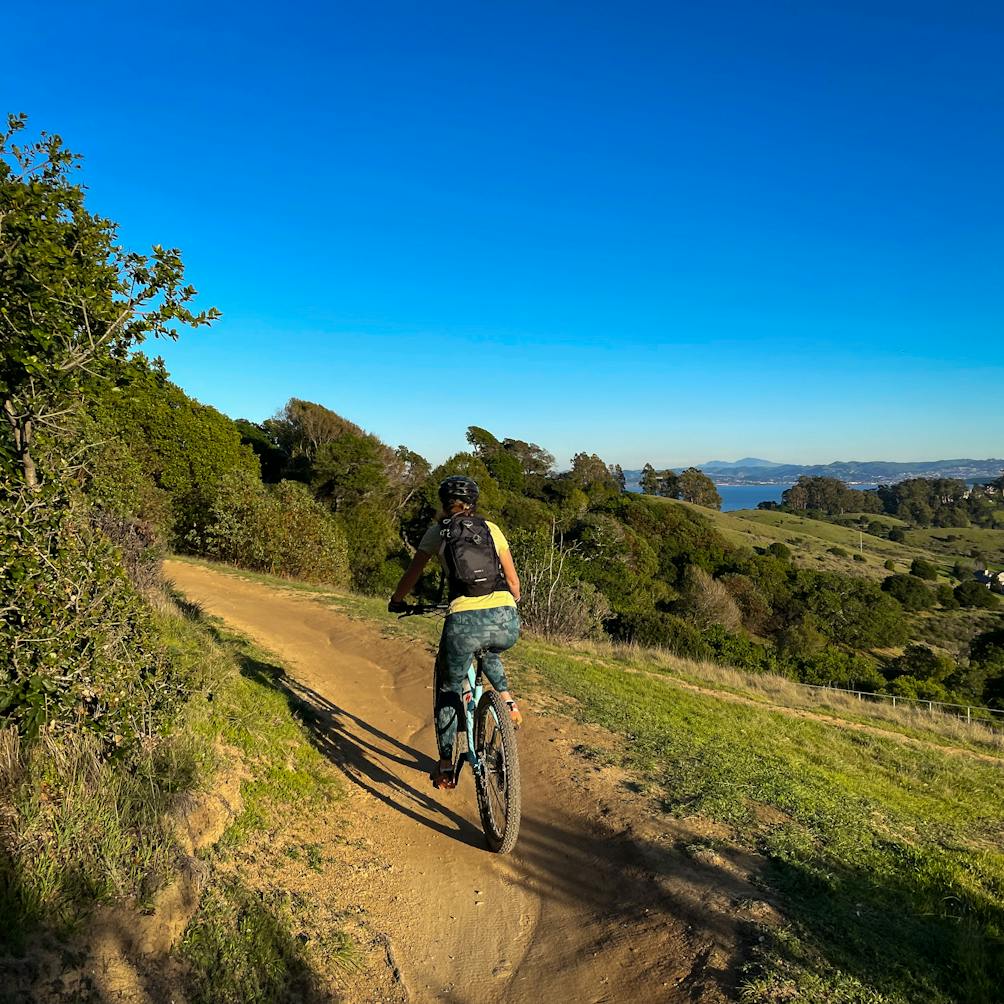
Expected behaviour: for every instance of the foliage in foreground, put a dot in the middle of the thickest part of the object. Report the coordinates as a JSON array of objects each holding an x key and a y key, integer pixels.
[{"x": 78, "y": 650}]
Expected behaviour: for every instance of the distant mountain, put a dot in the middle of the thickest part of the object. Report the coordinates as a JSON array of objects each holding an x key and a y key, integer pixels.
[
  {"x": 728, "y": 465},
  {"x": 754, "y": 471}
]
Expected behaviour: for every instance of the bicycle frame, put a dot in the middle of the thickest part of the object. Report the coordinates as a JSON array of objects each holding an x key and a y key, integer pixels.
[{"x": 472, "y": 694}]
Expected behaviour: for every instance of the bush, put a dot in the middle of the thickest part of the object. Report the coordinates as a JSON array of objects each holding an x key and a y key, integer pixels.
[
  {"x": 656, "y": 629},
  {"x": 889, "y": 564},
  {"x": 924, "y": 569},
  {"x": 897, "y": 535},
  {"x": 281, "y": 530},
  {"x": 858, "y": 557},
  {"x": 909, "y": 591},
  {"x": 555, "y": 604},
  {"x": 77, "y": 645},
  {"x": 737, "y": 650},
  {"x": 946, "y": 597},
  {"x": 779, "y": 550},
  {"x": 838, "y": 552},
  {"x": 833, "y": 667},
  {"x": 707, "y": 602},
  {"x": 973, "y": 594}
]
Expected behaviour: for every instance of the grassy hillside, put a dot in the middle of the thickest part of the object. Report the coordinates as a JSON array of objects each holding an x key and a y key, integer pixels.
[
  {"x": 955, "y": 543},
  {"x": 878, "y": 832},
  {"x": 812, "y": 541}
]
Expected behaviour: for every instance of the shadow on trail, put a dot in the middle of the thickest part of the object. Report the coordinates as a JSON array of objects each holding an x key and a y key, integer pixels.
[
  {"x": 355, "y": 747},
  {"x": 687, "y": 917},
  {"x": 576, "y": 862}
]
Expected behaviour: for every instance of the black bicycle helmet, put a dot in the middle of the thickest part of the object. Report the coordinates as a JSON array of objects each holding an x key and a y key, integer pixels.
[{"x": 459, "y": 489}]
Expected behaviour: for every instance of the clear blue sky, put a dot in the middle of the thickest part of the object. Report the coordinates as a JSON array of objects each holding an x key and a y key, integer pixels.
[{"x": 657, "y": 231}]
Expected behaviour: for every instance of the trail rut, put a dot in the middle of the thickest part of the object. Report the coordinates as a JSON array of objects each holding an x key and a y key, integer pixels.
[{"x": 598, "y": 903}]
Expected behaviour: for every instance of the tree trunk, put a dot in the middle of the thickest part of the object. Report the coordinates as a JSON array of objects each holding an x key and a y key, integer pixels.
[{"x": 21, "y": 427}]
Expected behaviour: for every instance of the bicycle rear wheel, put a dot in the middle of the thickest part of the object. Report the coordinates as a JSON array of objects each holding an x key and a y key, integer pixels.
[{"x": 498, "y": 787}]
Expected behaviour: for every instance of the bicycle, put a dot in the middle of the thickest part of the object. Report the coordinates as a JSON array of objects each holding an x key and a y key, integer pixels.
[{"x": 490, "y": 749}]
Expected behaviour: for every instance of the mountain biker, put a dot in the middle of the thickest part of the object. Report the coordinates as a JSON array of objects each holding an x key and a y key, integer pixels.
[{"x": 474, "y": 623}]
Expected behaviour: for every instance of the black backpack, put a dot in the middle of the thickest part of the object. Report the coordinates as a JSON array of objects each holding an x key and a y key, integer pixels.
[{"x": 472, "y": 563}]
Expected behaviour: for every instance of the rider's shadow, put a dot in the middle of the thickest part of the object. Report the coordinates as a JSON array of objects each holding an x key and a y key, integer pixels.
[{"x": 351, "y": 743}]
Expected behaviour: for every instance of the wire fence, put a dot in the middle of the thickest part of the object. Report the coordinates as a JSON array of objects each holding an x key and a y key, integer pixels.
[{"x": 991, "y": 717}]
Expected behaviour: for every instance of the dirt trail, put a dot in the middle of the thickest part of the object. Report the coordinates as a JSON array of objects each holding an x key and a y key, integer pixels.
[{"x": 597, "y": 904}]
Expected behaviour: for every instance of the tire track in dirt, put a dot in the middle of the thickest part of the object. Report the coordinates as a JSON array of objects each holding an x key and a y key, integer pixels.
[{"x": 596, "y": 904}]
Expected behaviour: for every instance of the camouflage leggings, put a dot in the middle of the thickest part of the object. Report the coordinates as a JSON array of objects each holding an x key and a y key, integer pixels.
[{"x": 465, "y": 634}]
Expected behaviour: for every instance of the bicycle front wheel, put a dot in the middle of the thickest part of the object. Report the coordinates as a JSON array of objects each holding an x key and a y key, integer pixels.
[{"x": 498, "y": 787}]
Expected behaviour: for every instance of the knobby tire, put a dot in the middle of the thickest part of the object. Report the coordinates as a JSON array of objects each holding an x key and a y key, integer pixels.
[{"x": 499, "y": 788}]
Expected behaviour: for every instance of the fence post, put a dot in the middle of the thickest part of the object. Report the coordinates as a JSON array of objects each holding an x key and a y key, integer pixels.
[
  {"x": 969, "y": 716},
  {"x": 930, "y": 705},
  {"x": 894, "y": 700}
]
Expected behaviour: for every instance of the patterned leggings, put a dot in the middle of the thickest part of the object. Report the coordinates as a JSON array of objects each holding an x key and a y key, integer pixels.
[{"x": 465, "y": 634}]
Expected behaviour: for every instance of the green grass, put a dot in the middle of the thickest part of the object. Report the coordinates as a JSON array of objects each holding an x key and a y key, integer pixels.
[
  {"x": 240, "y": 948},
  {"x": 957, "y": 543},
  {"x": 885, "y": 857},
  {"x": 810, "y": 540},
  {"x": 78, "y": 830},
  {"x": 888, "y": 861},
  {"x": 243, "y": 944}
]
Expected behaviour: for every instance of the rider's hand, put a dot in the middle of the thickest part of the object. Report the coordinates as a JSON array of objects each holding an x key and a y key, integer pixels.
[{"x": 397, "y": 607}]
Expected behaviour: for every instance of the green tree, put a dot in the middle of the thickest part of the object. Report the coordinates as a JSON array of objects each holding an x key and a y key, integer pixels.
[
  {"x": 71, "y": 298},
  {"x": 184, "y": 448},
  {"x": 483, "y": 443},
  {"x": 695, "y": 486},
  {"x": 909, "y": 591},
  {"x": 924, "y": 569},
  {"x": 349, "y": 470},
  {"x": 649, "y": 481},
  {"x": 973, "y": 594},
  {"x": 669, "y": 487},
  {"x": 589, "y": 471}
]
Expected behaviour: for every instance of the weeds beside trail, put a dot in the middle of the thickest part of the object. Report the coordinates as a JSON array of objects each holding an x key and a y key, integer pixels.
[
  {"x": 884, "y": 856},
  {"x": 78, "y": 830}
]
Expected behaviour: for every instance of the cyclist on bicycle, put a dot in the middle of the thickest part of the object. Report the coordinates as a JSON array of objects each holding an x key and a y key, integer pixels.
[{"x": 480, "y": 619}]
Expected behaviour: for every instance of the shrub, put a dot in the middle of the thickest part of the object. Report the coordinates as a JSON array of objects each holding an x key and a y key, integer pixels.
[
  {"x": 946, "y": 597},
  {"x": 858, "y": 557},
  {"x": 656, "y": 629},
  {"x": 779, "y": 550},
  {"x": 752, "y": 605},
  {"x": 923, "y": 663},
  {"x": 281, "y": 530},
  {"x": 897, "y": 535},
  {"x": 924, "y": 569},
  {"x": 909, "y": 591},
  {"x": 889, "y": 564},
  {"x": 555, "y": 604},
  {"x": 734, "y": 649},
  {"x": 838, "y": 552},
  {"x": 833, "y": 667},
  {"x": 77, "y": 645},
  {"x": 974, "y": 594},
  {"x": 707, "y": 602}
]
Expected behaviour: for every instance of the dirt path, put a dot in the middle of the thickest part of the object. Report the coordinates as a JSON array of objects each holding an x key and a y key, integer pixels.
[{"x": 598, "y": 903}]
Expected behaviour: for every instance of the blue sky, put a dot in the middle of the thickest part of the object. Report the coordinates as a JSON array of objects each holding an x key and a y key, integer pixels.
[{"x": 656, "y": 231}]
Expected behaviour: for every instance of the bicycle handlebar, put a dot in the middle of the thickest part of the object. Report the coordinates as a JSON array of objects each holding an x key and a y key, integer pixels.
[{"x": 418, "y": 609}]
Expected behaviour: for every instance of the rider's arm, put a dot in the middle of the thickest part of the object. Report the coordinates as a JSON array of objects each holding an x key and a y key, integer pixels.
[
  {"x": 509, "y": 571},
  {"x": 410, "y": 577}
]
